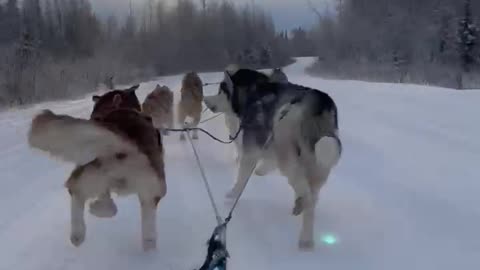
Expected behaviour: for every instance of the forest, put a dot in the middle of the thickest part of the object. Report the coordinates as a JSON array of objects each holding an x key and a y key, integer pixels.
[
  {"x": 57, "y": 49},
  {"x": 407, "y": 41},
  {"x": 61, "y": 48}
]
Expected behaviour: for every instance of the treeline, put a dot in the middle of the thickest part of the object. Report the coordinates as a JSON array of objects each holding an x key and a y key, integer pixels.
[
  {"x": 201, "y": 37},
  {"x": 428, "y": 41},
  {"x": 60, "y": 48}
]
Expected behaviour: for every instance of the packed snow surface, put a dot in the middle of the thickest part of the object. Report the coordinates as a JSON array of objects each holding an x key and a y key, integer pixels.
[{"x": 404, "y": 196}]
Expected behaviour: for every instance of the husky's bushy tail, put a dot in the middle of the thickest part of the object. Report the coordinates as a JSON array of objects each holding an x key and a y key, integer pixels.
[
  {"x": 74, "y": 140},
  {"x": 328, "y": 151},
  {"x": 320, "y": 128}
]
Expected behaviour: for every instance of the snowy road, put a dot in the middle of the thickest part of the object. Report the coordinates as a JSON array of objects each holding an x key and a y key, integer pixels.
[{"x": 404, "y": 196}]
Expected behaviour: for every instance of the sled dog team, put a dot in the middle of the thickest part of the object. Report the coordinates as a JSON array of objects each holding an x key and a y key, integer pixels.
[{"x": 119, "y": 149}]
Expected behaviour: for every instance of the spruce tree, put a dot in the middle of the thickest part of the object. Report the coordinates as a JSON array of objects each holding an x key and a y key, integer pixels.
[{"x": 467, "y": 38}]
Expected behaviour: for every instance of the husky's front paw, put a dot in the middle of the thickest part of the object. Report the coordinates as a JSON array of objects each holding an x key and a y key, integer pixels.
[
  {"x": 149, "y": 244},
  {"x": 103, "y": 208},
  {"x": 195, "y": 136},
  {"x": 182, "y": 137},
  {"x": 306, "y": 245}
]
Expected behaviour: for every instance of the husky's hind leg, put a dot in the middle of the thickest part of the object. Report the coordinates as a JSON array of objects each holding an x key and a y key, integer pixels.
[
  {"x": 168, "y": 123},
  {"x": 327, "y": 155},
  {"x": 305, "y": 198},
  {"x": 195, "y": 122},
  {"x": 149, "y": 229},
  {"x": 290, "y": 166},
  {"x": 305, "y": 201},
  {"x": 77, "y": 207},
  {"x": 181, "y": 116},
  {"x": 306, "y": 241},
  {"x": 85, "y": 182},
  {"x": 77, "y": 219},
  {"x": 317, "y": 178}
]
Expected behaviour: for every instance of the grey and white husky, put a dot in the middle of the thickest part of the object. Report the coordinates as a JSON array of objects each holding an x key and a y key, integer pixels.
[{"x": 286, "y": 126}]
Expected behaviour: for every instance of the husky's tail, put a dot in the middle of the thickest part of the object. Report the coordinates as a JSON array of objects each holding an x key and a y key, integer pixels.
[
  {"x": 320, "y": 129},
  {"x": 74, "y": 140},
  {"x": 328, "y": 151}
]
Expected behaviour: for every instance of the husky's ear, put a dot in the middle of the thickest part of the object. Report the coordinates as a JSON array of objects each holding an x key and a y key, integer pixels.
[
  {"x": 117, "y": 100},
  {"x": 228, "y": 81},
  {"x": 232, "y": 68},
  {"x": 95, "y": 98},
  {"x": 133, "y": 88}
]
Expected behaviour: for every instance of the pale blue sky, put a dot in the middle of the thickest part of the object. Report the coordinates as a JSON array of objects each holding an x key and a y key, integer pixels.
[{"x": 287, "y": 13}]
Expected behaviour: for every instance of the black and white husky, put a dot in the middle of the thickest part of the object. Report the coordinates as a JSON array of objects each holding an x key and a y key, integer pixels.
[{"x": 286, "y": 126}]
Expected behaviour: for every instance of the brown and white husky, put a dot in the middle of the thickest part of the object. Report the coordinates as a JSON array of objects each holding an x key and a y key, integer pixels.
[{"x": 117, "y": 150}]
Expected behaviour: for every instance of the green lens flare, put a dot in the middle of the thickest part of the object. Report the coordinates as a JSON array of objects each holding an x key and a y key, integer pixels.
[{"x": 329, "y": 239}]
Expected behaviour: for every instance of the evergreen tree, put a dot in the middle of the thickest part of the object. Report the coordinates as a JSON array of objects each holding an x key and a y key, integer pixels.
[
  {"x": 66, "y": 42},
  {"x": 10, "y": 22},
  {"x": 50, "y": 37},
  {"x": 467, "y": 38},
  {"x": 111, "y": 28},
  {"x": 128, "y": 31},
  {"x": 301, "y": 43},
  {"x": 33, "y": 23}
]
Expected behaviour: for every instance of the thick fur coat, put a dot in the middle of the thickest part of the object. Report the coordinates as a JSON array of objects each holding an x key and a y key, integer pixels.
[
  {"x": 191, "y": 101},
  {"x": 159, "y": 105},
  {"x": 118, "y": 150},
  {"x": 286, "y": 126}
]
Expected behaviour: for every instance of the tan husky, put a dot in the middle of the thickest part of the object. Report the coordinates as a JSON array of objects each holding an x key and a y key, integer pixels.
[
  {"x": 159, "y": 105},
  {"x": 191, "y": 102},
  {"x": 118, "y": 150}
]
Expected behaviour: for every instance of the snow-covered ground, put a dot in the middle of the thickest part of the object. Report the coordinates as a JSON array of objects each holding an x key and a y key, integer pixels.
[{"x": 404, "y": 196}]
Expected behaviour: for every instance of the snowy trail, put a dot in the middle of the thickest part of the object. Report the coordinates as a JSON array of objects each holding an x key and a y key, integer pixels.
[{"x": 404, "y": 196}]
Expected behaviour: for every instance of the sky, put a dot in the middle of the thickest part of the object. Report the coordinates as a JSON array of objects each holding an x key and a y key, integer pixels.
[{"x": 287, "y": 14}]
